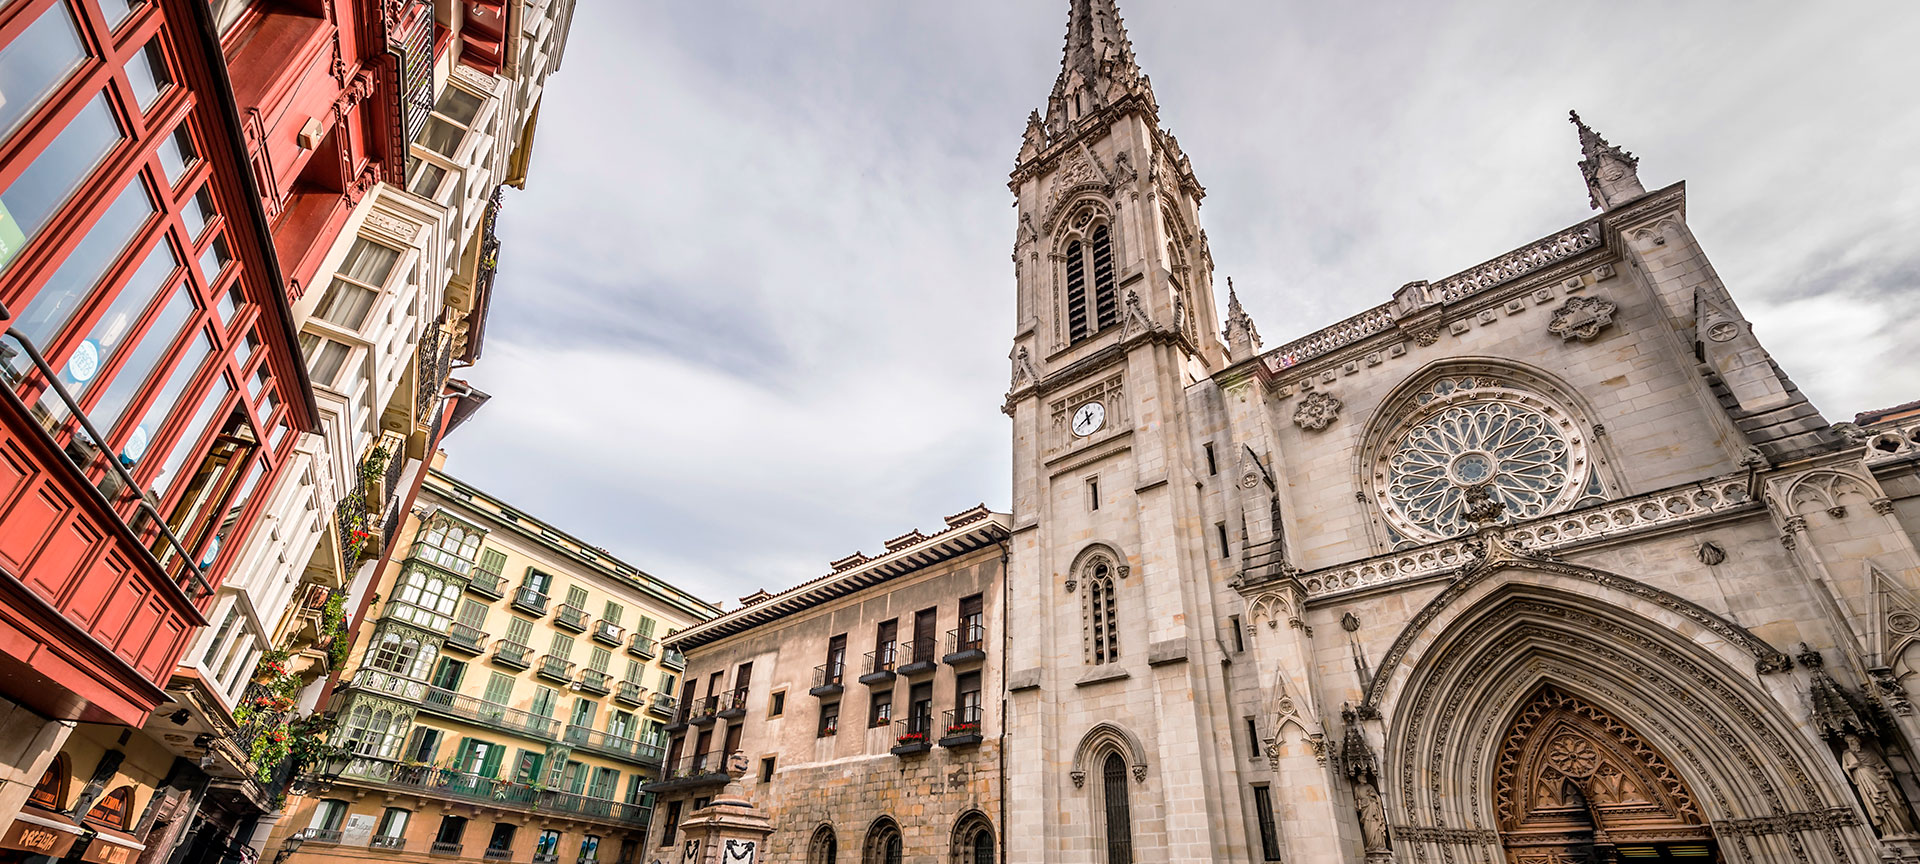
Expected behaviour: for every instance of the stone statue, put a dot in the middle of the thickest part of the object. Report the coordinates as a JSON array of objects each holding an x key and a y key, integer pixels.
[
  {"x": 1373, "y": 816},
  {"x": 737, "y": 764},
  {"x": 1871, "y": 777}
]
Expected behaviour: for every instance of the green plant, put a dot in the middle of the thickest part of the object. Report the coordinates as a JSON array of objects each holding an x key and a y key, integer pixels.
[{"x": 333, "y": 623}]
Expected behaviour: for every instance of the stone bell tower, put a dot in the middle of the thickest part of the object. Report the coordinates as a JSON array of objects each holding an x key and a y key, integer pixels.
[{"x": 1115, "y": 583}]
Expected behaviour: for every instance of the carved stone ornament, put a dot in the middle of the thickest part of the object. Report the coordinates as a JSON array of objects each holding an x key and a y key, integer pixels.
[
  {"x": 1426, "y": 337},
  {"x": 1581, "y": 318},
  {"x": 1710, "y": 553},
  {"x": 1079, "y": 779},
  {"x": 1023, "y": 370},
  {"x": 1317, "y": 410}
]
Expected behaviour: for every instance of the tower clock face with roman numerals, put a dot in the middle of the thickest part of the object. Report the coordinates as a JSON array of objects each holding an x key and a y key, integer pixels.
[{"x": 1088, "y": 418}]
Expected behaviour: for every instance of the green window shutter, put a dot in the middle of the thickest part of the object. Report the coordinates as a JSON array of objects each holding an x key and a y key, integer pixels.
[
  {"x": 491, "y": 767},
  {"x": 646, "y": 626},
  {"x": 519, "y": 630},
  {"x": 543, "y": 699},
  {"x": 576, "y": 777},
  {"x": 463, "y": 754},
  {"x": 635, "y": 671},
  {"x": 614, "y": 611},
  {"x": 601, "y": 659},
  {"x": 562, "y": 646},
  {"x": 473, "y": 613},
  {"x": 499, "y": 689},
  {"x": 493, "y": 560},
  {"x": 526, "y": 766},
  {"x": 576, "y": 596}
]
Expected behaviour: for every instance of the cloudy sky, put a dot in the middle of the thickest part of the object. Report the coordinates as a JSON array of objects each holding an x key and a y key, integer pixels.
[{"x": 755, "y": 303}]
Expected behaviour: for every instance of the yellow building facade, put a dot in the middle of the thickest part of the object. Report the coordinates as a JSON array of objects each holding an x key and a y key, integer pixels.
[{"x": 503, "y": 700}]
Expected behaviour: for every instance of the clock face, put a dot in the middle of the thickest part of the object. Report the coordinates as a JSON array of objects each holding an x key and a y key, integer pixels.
[{"x": 1089, "y": 418}]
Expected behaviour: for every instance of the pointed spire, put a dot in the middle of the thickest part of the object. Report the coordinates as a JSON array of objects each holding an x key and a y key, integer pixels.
[
  {"x": 1096, "y": 66},
  {"x": 1243, "y": 339},
  {"x": 1610, "y": 172}
]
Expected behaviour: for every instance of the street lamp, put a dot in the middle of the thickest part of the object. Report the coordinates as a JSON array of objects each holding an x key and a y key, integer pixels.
[{"x": 289, "y": 846}]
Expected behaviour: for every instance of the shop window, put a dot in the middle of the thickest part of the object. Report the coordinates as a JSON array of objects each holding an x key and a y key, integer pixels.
[
  {"x": 36, "y": 62},
  {"x": 51, "y": 792},
  {"x": 52, "y": 308},
  {"x": 112, "y": 810}
]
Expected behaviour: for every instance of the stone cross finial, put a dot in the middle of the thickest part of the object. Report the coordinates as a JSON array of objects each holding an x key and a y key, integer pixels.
[{"x": 1243, "y": 339}]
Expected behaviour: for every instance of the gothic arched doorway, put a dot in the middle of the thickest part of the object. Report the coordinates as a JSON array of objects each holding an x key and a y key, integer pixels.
[{"x": 1577, "y": 786}]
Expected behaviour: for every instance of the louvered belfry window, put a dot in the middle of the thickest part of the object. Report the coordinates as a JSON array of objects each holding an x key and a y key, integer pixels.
[
  {"x": 1113, "y": 779},
  {"x": 1096, "y": 306}
]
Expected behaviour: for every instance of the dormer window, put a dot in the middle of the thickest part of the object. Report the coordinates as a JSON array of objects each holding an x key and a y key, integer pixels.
[{"x": 1091, "y": 308}]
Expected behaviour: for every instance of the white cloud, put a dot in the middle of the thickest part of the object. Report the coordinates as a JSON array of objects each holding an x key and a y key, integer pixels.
[{"x": 755, "y": 303}]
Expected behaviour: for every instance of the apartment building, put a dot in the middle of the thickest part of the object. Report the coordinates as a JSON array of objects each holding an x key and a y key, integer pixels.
[
  {"x": 867, "y": 703},
  {"x": 504, "y": 700}
]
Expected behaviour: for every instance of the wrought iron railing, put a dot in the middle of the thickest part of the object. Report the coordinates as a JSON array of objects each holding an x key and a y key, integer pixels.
[
  {"x": 445, "y": 782},
  {"x": 511, "y": 654},
  {"x": 460, "y": 706},
  {"x": 571, "y": 617},
  {"x": 642, "y": 646},
  {"x": 616, "y": 746},
  {"x": 595, "y": 682}
]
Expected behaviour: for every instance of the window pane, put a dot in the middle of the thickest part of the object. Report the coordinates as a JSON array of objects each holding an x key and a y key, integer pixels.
[
  {"x": 176, "y": 153},
  {"x": 346, "y": 304},
  {"x": 457, "y": 105},
  {"x": 75, "y": 281},
  {"x": 38, "y": 60},
  {"x": 147, "y": 72},
  {"x": 141, "y": 363},
  {"x": 190, "y": 435},
  {"x": 93, "y": 353},
  {"x": 423, "y": 178},
  {"x": 198, "y": 212},
  {"x": 442, "y": 137},
  {"x": 54, "y": 174},
  {"x": 116, "y": 12},
  {"x": 215, "y": 259},
  {"x": 369, "y": 262},
  {"x": 163, "y": 403}
]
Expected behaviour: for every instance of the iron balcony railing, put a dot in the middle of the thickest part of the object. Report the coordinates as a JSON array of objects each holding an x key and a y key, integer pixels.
[
  {"x": 629, "y": 693},
  {"x": 391, "y": 844},
  {"x": 663, "y": 703},
  {"x": 733, "y": 704},
  {"x": 555, "y": 669},
  {"x": 460, "y": 706},
  {"x": 829, "y": 678},
  {"x": 191, "y": 580},
  {"x": 512, "y": 654},
  {"x": 968, "y": 642},
  {"x": 961, "y": 725},
  {"x": 918, "y": 655},
  {"x": 495, "y": 853},
  {"x": 322, "y": 835},
  {"x": 674, "y": 660},
  {"x": 467, "y": 638},
  {"x": 700, "y": 769},
  {"x": 570, "y": 617},
  {"x": 448, "y": 783},
  {"x": 704, "y": 712},
  {"x": 880, "y": 663},
  {"x": 595, "y": 681},
  {"x": 530, "y": 599},
  {"x": 608, "y": 632},
  {"x": 485, "y": 583},
  {"x": 616, "y": 746},
  {"x": 642, "y": 646},
  {"x": 443, "y": 847}
]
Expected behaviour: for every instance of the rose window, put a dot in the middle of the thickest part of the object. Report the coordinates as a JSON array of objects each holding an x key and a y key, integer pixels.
[{"x": 1476, "y": 433}]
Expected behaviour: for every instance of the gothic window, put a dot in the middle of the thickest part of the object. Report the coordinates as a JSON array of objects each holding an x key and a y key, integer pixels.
[
  {"x": 1093, "y": 301},
  {"x": 972, "y": 840},
  {"x": 1470, "y": 431},
  {"x": 1101, "y": 618},
  {"x": 883, "y": 843},
  {"x": 1119, "y": 813},
  {"x": 823, "y": 849}
]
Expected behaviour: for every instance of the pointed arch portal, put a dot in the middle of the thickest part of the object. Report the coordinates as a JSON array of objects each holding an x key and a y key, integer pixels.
[{"x": 1575, "y": 784}]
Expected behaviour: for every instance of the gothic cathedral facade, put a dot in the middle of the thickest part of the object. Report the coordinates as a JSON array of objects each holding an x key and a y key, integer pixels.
[{"x": 1545, "y": 561}]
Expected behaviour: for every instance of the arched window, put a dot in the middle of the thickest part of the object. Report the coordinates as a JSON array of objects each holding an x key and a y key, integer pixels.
[
  {"x": 883, "y": 843},
  {"x": 823, "y": 848},
  {"x": 51, "y": 792},
  {"x": 1119, "y": 821},
  {"x": 972, "y": 839},
  {"x": 1101, "y": 618},
  {"x": 1093, "y": 307},
  {"x": 113, "y": 809},
  {"x": 427, "y": 600},
  {"x": 449, "y": 544},
  {"x": 394, "y": 654},
  {"x": 358, "y": 731}
]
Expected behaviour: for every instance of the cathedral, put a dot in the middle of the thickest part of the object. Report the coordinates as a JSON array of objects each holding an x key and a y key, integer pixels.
[{"x": 1544, "y": 561}]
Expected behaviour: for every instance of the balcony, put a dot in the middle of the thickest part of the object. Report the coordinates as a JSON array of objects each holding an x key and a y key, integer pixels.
[
  {"x": 919, "y": 654},
  {"x": 378, "y": 681},
  {"x": 460, "y": 706},
  {"x": 595, "y": 682},
  {"x": 554, "y": 669},
  {"x": 446, "y": 783},
  {"x": 629, "y": 693},
  {"x": 467, "y": 640},
  {"x": 880, "y": 665},
  {"x": 828, "y": 680},
  {"x": 512, "y": 655},
  {"x": 530, "y": 600},
  {"x": 642, "y": 646},
  {"x": 968, "y": 644},
  {"x": 485, "y": 584},
  {"x": 679, "y": 720},
  {"x": 674, "y": 660},
  {"x": 608, "y": 633},
  {"x": 917, "y": 737},
  {"x": 662, "y": 704},
  {"x": 567, "y": 616},
  {"x": 495, "y": 853},
  {"x": 322, "y": 835},
  {"x": 390, "y": 844},
  {"x": 963, "y": 727},
  {"x": 546, "y": 858},
  {"x": 706, "y": 712},
  {"x": 614, "y": 746},
  {"x": 705, "y": 769},
  {"x": 441, "y": 847},
  {"x": 733, "y": 705}
]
